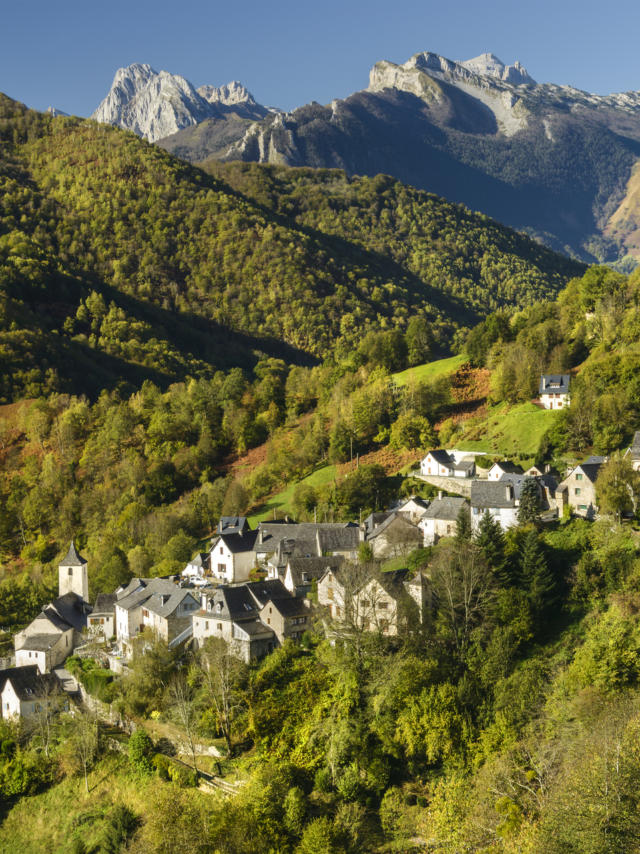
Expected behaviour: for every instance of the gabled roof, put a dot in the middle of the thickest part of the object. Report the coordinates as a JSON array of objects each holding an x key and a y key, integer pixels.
[
  {"x": 232, "y": 525},
  {"x": 313, "y": 567},
  {"x": 591, "y": 467},
  {"x": 73, "y": 558},
  {"x": 254, "y": 628},
  {"x": 41, "y": 642},
  {"x": 491, "y": 493},
  {"x": 554, "y": 383},
  {"x": 375, "y": 519},
  {"x": 144, "y": 590},
  {"x": 338, "y": 539},
  {"x": 262, "y": 591},
  {"x": 291, "y": 606},
  {"x": 391, "y": 582},
  {"x": 105, "y": 603},
  {"x": 231, "y": 603},
  {"x": 164, "y": 604},
  {"x": 71, "y": 609},
  {"x": 392, "y": 519},
  {"x": 237, "y": 543},
  {"x": 508, "y": 467},
  {"x": 441, "y": 456},
  {"x": 444, "y": 508},
  {"x": 27, "y": 681},
  {"x": 421, "y": 503}
]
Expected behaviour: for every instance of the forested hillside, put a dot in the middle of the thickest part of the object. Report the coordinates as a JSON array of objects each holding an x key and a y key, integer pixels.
[{"x": 120, "y": 262}]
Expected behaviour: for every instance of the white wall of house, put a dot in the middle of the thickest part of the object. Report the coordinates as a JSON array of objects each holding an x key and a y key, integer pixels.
[
  {"x": 101, "y": 625},
  {"x": 229, "y": 567},
  {"x": 10, "y": 702},
  {"x": 506, "y": 516},
  {"x": 434, "y": 529},
  {"x": 33, "y": 656},
  {"x": 432, "y": 467},
  {"x": 554, "y": 401},
  {"x": 331, "y": 594}
]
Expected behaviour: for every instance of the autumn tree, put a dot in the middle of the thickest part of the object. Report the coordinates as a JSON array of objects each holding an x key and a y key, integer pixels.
[{"x": 617, "y": 486}]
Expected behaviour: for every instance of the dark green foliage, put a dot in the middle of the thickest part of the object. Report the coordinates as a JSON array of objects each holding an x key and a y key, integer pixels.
[
  {"x": 489, "y": 538},
  {"x": 121, "y": 825},
  {"x": 529, "y": 509},
  {"x": 463, "y": 525},
  {"x": 141, "y": 751},
  {"x": 537, "y": 579}
]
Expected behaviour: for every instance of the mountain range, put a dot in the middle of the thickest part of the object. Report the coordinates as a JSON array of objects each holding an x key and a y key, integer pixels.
[{"x": 553, "y": 161}]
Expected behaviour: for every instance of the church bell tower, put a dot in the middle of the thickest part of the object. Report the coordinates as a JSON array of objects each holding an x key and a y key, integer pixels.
[{"x": 72, "y": 575}]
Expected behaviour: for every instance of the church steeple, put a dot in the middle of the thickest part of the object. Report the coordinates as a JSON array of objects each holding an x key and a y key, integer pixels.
[{"x": 72, "y": 574}]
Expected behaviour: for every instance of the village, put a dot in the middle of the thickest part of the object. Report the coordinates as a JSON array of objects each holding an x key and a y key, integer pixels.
[{"x": 257, "y": 588}]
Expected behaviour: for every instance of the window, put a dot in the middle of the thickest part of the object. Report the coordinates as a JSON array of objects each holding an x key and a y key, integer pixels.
[
  {"x": 221, "y": 568},
  {"x": 221, "y": 550},
  {"x": 578, "y": 476},
  {"x": 145, "y": 613},
  {"x": 70, "y": 571},
  {"x": 329, "y": 592},
  {"x": 582, "y": 507},
  {"x": 219, "y": 627},
  {"x": 383, "y": 605},
  {"x": 206, "y": 625},
  {"x": 576, "y": 491}
]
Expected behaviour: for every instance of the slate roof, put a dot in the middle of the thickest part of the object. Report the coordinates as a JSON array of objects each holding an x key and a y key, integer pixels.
[
  {"x": 235, "y": 603},
  {"x": 41, "y": 642},
  {"x": 27, "y": 681},
  {"x": 489, "y": 493},
  {"x": 73, "y": 558},
  {"x": 442, "y": 457},
  {"x": 105, "y": 603},
  {"x": 147, "y": 588},
  {"x": 444, "y": 508},
  {"x": 393, "y": 582},
  {"x": 237, "y": 543},
  {"x": 164, "y": 604},
  {"x": 591, "y": 466},
  {"x": 398, "y": 518},
  {"x": 375, "y": 519},
  {"x": 232, "y": 525},
  {"x": 292, "y": 606},
  {"x": 509, "y": 467},
  {"x": 300, "y": 539},
  {"x": 70, "y": 609},
  {"x": 314, "y": 567},
  {"x": 464, "y": 465},
  {"x": 554, "y": 383},
  {"x": 338, "y": 539},
  {"x": 262, "y": 591},
  {"x": 255, "y": 628}
]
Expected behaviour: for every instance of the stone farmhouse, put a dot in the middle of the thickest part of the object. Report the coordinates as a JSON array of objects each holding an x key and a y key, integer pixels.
[
  {"x": 395, "y": 536},
  {"x": 277, "y": 543},
  {"x": 252, "y": 618},
  {"x": 383, "y": 602},
  {"x": 25, "y": 691},
  {"x": 578, "y": 489},
  {"x": 155, "y": 604},
  {"x": 49, "y": 639},
  {"x": 301, "y": 572},
  {"x": 553, "y": 392}
]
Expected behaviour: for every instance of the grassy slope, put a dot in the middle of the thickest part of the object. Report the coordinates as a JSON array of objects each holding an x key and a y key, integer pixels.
[
  {"x": 282, "y": 503},
  {"x": 508, "y": 430},
  {"x": 429, "y": 371}
]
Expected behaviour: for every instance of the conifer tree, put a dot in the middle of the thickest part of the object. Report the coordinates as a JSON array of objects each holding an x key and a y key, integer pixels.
[
  {"x": 537, "y": 579},
  {"x": 490, "y": 539},
  {"x": 529, "y": 509},
  {"x": 463, "y": 525}
]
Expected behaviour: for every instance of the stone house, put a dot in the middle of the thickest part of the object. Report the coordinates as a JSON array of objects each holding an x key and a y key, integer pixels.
[
  {"x": 155, "y": 604},
  {"x": 301, "y": 572},
  {"x": 499, "y": 498},
  {"x": 553, "y": 392},
  {"x": 394, "y": 537},
  {"x": 440, "y": 519},
  {"x": 578, "y": 489},
  {"x": 277, "y": 544},
  {"x": 413, "y": 508},
  {"x": 25, "y": 690},
  {"x": 287, "y": 618},
  {"x": 51, "y": 637}
]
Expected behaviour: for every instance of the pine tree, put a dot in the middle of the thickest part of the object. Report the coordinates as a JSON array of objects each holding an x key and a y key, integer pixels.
[
  {"x": 463, "y": 525},
  {"x": 537, "y": 579},
  {"x": 529, "y": 509},
  {"x": 490, "y": 539}
]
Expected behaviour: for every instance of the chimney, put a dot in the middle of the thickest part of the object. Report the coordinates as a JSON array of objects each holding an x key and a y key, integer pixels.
[{"x": 509, "y": 490}]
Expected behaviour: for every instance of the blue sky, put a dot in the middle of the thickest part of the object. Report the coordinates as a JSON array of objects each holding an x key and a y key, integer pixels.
[{"x": 287, "y": 53}]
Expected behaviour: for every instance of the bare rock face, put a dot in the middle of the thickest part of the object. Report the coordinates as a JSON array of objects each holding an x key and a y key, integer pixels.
[
  {"x": 156, "y": 104},
  {"x": 488, "y": 65}
]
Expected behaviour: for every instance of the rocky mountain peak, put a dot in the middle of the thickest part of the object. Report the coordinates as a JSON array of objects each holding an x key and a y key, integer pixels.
[
  {"x": 489, "y": 65},
  {"x": 155, "y": 104},
  {"x": 230, "y": 95}
]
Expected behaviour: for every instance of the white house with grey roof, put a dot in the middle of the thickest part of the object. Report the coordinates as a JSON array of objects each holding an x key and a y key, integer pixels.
[
  {"x": 497, "y": 498},
  {"x": 441, "y": 463},
  {"x": 553, "y": 392},
  {"x": 440, "y": 519},
  {"x": 232, "y": 556},
  {"x": 25, "y": 691}
]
